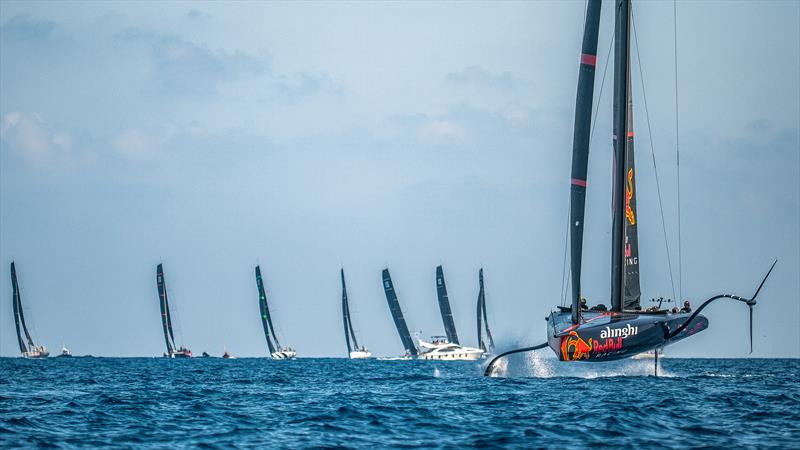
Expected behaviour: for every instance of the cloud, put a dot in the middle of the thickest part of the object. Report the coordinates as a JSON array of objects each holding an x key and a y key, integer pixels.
[
  {"x": 479, "y": 77},
  {"x": 31, "y": 138},
  {"x": 24, "y": 28},
  {"x": 197, "y": 15}
]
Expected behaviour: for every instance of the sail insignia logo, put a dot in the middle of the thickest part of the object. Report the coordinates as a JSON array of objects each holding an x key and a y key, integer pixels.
[
  {"x": 439, "y": 281},
  {"x": 623, "y": 332},
  {"x": 628, "y": 196}
]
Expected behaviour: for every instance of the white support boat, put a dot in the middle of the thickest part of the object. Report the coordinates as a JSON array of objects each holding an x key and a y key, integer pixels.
[
  {"x": 360, "y": 353},
  {"x": 439, "y": 348}
]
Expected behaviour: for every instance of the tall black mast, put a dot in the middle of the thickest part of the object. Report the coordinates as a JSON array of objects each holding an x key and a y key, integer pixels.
[
  {"x": 580, "y": 148},
  {"x": 17, "y": 306},
  {"x": 166, "y": 322},
  {"x": 444, "y": 307},
  {"x": 481, "y": 312},
  {"x": 621, "y": 75},
  {"x": 349, "y": 333},
  {"x": 397, "y": 314},
  {"x": 266, "y": 320}
]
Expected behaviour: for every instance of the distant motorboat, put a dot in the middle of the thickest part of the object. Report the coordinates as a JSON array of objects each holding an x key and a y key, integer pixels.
[
  {"x": 205, "y": 355},
  {"x": 275, "y": 349},
  {"x": 65, "y": 353},
  {"x": 227, "y": 355},
  {"x": 166, "y": 319},
  {"x": 353, "y": 350},
  {"x": 439, "y": 348},
  {"x": 448, "y": 348},
  {"x": 26, "y": 346}
]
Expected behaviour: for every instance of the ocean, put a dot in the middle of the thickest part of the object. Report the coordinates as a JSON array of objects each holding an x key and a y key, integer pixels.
[{"x": 322, "y": 402}]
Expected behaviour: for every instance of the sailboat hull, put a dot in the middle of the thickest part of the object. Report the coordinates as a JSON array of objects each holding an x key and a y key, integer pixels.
[{"x": 610, "y": 336}]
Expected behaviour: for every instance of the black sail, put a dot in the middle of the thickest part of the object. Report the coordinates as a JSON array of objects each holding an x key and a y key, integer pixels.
[
  {"x": 397, "y": 314},
  {"x": 580, "y": 148},
  {"x": 166, "y": 322},
  {"x": 632, "y": 291},
  {"x": 481, "y": 311},
  {"x": 444, "y": 307},
  {"x": 621, "y": 92},
  {"x": 349, "y": 334},
  {"x": 17, "y": 307},
  {"x": 266, "y": 320}
]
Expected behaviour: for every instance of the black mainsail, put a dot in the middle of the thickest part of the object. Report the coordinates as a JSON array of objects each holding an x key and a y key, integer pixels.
[
  {"x": 397, "y": 314},
  {"x": 580, "y": 149},
  {"x": 166, "y": 320},
  {"x": 266, "y": 318},
  {"x": 349, "y": 334},
  {"x": 483, "y": 321},
  {"x": 444, "y": 307},
  {"x": 19, "y": 317},
  {"x": 632, "y": 292}
]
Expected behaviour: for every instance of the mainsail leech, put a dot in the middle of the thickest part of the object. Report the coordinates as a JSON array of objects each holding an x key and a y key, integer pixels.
[
  {"x": 444, "y": 307},
  {"x": 580, "y": 148},
  {"x": 397, "y": 314}
]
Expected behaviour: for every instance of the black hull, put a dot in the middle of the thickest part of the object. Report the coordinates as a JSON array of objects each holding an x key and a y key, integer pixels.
[{"x": 612, "y": 336}]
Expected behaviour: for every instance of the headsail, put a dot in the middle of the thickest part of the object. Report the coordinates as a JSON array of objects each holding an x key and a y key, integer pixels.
[
  {"x": 444, "y": 307},
  {"x": 17, "y": 306},
  {"x": 580, "y": 148},
  {"x": 266, "y": 319},
  {"x": 349, "y": 334},
  {"x": 481, "y": 312},
  {"x": 166, "y": 321},
  {"x": 397, "y": 314}
]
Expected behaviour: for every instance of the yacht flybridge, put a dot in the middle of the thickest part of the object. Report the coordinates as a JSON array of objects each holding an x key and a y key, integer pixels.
[
  {"x": 26, "y": 346},
  {"x": 276, "y": 351},
  {"x": 173, "y": 351},
  {"x": 577, "y": 333},
  {"x": 353, "y": 350}
]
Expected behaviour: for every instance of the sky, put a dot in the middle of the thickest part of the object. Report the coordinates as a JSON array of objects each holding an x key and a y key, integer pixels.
[{"x": 309, "y": 136}]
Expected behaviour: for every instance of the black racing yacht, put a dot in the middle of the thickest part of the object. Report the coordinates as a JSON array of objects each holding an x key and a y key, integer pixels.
[
  {"x": 275, "y": 349},
  {"x": 397, "y": 316},
  {"x": 483, "y": 325},
  {"x": 26, "y": 346},
  {"x": 576, "y": 332},
  {"x": 173, "y": 351}
]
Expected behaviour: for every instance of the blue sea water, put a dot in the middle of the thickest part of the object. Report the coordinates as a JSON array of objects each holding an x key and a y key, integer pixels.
[{"x": 155, "y": 402}]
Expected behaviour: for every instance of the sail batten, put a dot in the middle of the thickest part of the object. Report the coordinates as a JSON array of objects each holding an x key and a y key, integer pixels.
[
  {"x": 580, "y": 148},
  {"x": 444, "y": 307},
  {"x": 397, "y": 314}
]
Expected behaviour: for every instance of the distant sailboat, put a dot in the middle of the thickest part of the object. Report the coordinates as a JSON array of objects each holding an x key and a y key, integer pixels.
[
  {"x": 483, "y": 324},
  {"x": 166, "y": 319},
  {"x": 353, "y": 350},
  {"x": 65, "y": 353},
  {"x": 275, "y": 349},
  {"x": 397, "y": 315},
  {"x": 446, "y": 348},
  {"x": 29, "y": 350}
]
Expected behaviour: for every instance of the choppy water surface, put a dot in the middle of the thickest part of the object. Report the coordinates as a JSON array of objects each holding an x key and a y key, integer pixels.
[{"x": 336, "y": 402}]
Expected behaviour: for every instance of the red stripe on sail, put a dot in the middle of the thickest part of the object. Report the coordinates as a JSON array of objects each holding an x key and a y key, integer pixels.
[
  {"x": 630, "y": 134},
  {"x": 589, "y": 60},
  {"x": 578, "y": 182}
]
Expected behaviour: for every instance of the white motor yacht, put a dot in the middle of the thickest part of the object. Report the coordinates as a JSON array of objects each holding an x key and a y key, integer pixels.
[{"x": 439, "y": 348}]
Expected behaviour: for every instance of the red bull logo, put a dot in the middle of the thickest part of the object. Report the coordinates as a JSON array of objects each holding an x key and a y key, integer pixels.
[
  {"x": 628, "y": 196},
  {"x": 575, "y": 348}
]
